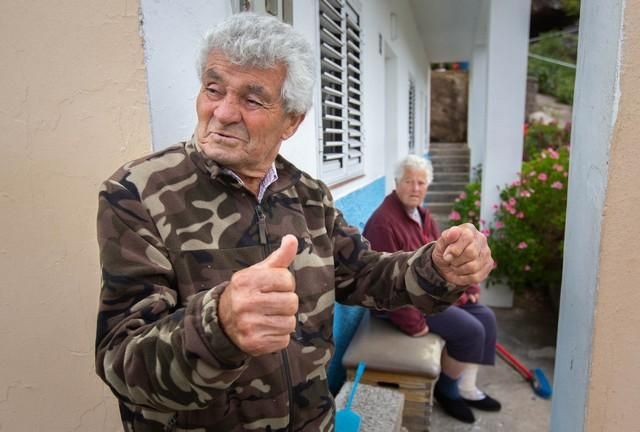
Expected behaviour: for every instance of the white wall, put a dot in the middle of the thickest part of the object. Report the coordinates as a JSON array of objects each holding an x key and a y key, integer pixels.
[
  {"x": 477, "y": 132},
  {"x": 172, "y": 34}
]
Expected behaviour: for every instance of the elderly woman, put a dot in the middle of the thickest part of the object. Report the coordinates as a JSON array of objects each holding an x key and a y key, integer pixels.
[{"x": 468, "y": 328}]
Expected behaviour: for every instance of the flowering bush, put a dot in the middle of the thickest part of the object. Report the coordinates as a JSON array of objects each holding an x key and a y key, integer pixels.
[
  {"x": 466, "y": 207},
  {"x": 527, "y": 235},
  {"x": 540, "y": 136}
]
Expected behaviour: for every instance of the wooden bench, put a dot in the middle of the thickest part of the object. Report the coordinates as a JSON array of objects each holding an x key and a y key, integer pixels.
[{"x": 396, "y": 360}]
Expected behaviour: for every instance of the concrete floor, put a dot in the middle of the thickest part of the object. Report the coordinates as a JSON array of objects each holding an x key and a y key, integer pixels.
[{"x": 530, "y": 335}]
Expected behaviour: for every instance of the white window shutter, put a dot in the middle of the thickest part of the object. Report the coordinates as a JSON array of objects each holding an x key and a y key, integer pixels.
[{"x": 340, "y": 74}]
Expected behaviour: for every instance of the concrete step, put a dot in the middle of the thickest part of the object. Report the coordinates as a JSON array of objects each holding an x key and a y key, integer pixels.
[
  {"x": 441, "y": 145},
  {"x": 442, "y": 209},
  {"x": 441, "y": 197},
  {"x": 446, "y": 186},
  {"x": 446, "y": 176},
  {"x": 448, "y": 152},
  {"x": 442, "y": 220},
  {"x": 451, "y": 168},
  {"x": 449, "y": 160}
]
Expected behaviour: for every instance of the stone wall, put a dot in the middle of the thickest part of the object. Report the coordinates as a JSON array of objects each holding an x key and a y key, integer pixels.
[{"x": 449, "y": 106}]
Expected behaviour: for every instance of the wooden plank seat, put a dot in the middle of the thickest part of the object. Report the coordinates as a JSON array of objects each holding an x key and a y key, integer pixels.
[{"x": 396, "y": 360}]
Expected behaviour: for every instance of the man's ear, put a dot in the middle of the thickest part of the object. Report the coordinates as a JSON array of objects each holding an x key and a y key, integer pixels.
[{"x": 293, "y": 121}]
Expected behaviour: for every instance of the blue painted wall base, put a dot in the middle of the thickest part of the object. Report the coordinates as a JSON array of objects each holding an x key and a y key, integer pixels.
[{"x": 356, "y": 207}]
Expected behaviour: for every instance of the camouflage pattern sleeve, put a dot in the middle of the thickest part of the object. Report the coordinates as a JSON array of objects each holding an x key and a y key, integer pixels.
[
  {"x": 381, "y": 280},
  {"x": 153, "y": 348}
]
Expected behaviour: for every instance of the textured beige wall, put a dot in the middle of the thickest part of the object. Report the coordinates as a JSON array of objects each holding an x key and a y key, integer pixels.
[
  {"x": 73, "y": 107},
  {"x": 614, "y": 393}
]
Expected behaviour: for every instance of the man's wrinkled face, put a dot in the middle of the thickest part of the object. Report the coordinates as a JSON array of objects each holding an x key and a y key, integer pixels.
[
  {"x": 241, "y": 117},
  {"x": 411, "y": 188}
]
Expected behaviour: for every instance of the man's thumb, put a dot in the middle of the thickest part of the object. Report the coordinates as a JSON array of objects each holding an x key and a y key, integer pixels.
[{"x": 284, "y": 255}]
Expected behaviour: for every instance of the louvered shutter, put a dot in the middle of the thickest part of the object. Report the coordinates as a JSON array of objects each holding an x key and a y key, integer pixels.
[{"x": 340, "y": 68}]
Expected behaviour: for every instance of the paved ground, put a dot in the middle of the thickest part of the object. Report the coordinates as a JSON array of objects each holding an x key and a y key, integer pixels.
[{"x": 530, "y": 336}]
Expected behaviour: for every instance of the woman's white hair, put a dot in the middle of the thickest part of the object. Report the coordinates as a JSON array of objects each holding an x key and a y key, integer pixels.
[
  {"x": 417, "y": 163},
  {"x": 262, "y": 41}
]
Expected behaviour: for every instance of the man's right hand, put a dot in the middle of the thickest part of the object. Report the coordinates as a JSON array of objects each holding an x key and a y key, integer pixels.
[{"x": 258, "y": 307}]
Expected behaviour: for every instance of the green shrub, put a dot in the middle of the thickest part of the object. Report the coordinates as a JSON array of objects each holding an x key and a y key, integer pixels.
[
  {"x": 539, "y": 136},
  {"x": 466, "y": 207},
  {"x": 571, "y": 7},
  {"x": 553, "y": 79},
  {"x": 527, "y": 234}
]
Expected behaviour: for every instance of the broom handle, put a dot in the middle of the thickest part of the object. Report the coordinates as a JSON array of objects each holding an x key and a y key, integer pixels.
[
  {"x": 514, "y": 362},
  {"x": 356, "y": 380}
]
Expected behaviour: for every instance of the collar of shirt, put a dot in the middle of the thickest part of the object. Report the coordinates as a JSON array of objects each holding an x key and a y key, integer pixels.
[
  {"x": 415, "y": 215},
  {"x": 269, "y": 178}
]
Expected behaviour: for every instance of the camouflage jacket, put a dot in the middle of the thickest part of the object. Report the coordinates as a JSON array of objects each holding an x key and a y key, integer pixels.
[{"x": 172, "y": 229}]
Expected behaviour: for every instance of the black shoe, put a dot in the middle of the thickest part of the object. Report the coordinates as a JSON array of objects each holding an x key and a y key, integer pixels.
[
  {"x": 486, "y": 404},
  {"x": 456, "y": 408}
]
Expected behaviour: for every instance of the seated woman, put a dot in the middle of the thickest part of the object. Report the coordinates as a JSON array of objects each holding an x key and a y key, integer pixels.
[{"x": 468, "y": 328}]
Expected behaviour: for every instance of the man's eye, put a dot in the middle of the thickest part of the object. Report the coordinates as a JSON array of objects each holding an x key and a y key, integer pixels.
[
  {"x": 254, "y": 103},
  {"x": 213, "y": 91}
]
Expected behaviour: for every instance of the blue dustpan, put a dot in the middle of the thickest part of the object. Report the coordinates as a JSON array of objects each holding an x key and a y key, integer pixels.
[{"x": 347, "y": 420}]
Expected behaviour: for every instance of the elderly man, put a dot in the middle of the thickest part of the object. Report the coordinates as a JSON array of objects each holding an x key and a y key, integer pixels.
[
  {"x": 221, "y": 261},
  {"x": 469, "y": 328}
]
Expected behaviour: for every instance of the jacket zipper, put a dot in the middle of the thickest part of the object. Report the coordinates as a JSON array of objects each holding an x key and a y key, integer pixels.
[{"x": 262, "y": 232}]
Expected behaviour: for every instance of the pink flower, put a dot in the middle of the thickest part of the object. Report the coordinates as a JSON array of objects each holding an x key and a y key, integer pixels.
[
  {"x": 522, "y": 245},
  {"x": 566, "y": 174},
  {"x": 512, "y": 210},
  {"x": 557, "y": 185},
  {"x": 516, "y": 183},
  {"x": 512, "y": 201},
  {"x": 554, "y": 154},
  {"x": 520, "y": 215},
  {"x": 463, "y": 195},
  {"x": 483, "y": 222},
  {"x": 486, "y": 232},
  {"x": 477, "y": 203},
  {"x": 499, "y": 225},
  {"x": 542, "y": 177},
  {"x": 527, "y": 268},
  {"x": 532, "y": 173},
  {"x": 454, "y": 216},
  {"x": 525, "y": 194},
  {"x": 495, "y": 206},
  {"x": 558, "y": 167}
]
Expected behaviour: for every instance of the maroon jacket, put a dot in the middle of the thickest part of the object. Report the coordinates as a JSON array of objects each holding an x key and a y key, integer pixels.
[{"x": 390, "y": 229}]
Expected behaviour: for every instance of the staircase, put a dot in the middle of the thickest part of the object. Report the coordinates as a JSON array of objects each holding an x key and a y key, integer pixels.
[{"x": 450, "y": 176}]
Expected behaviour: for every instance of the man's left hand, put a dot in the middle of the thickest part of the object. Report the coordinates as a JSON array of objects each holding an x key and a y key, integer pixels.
[{"x": 462, "y": 255}]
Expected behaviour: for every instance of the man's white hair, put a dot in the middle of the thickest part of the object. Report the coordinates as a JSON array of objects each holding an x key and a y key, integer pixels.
[
  {"x": 263, "y": 41},
  {"x": 417, "y": 163}
]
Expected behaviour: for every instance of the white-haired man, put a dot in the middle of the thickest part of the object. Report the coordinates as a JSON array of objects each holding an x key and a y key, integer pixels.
[{"x": 221, "y": 261}]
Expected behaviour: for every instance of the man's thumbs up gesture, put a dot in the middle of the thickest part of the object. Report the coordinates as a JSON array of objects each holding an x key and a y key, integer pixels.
[
  {"x": 258, "y": 308},
  {"x": 462, "y": 255}
]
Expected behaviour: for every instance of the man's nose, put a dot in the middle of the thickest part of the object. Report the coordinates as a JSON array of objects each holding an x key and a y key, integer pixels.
[{"x": 228, "y": 110}]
